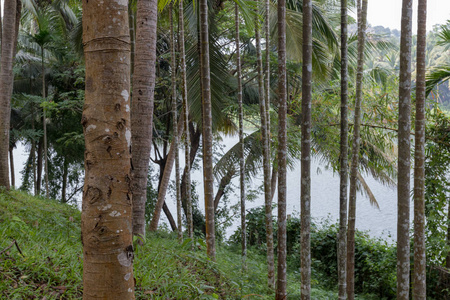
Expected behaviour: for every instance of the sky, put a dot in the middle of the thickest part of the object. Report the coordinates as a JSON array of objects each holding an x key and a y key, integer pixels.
[{"x": 387, "y": 13}]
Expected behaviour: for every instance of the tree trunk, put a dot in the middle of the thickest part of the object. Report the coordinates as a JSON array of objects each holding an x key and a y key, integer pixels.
[
  {"x": 174, "y": 125},
  {"x": 142, "y": 107},
  {"x": 164, "y": 183},
  {"x": 343, "y": 188},
  {"x": 39, "y": 166},
  {"x": 305, "y": 185},
  {"x": 447, "y": 259},
  {"x": 107, "y": 199},
  {"x": 44, "y": 124},
  {"x": 186, "y": 184},
  {"x": 266, "y": 159},
  {"x": 362, "y": 21},
  {"x": 404, "y": 154},
  {"x": 420, "y": 262},
  {"x": 6, "y": 86},
  {"x": 33, "y": 150},
  {"x": 11, "y": 165},
  {"x": 208, "y": 178},
  {"x": 64, "y": 181},
  {"x": 132, "y": 25},
  {"x": 282, "y": 149}
]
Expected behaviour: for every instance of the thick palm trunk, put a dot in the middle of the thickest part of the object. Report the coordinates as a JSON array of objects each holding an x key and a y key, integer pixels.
[
  {"x": 362, "y": 20},
  {"x": 241, "y": 143},
  {"x": 174, "y": 125},
  {"x": 404, "y": 154},
  {"x": 266, "y": 160},
  {"x": 208, "y": 179},
  {"x": 142, "y": 107},
  {"x": 343, "y": 172},
  {"x": 6, "y": 86},
  {"x": 165, "y": 179},
  {"x": 419, "y": 159},
  {"x": 186, "y": 184},
  {"x": 107, "y": 199},
  {"x": 305, "y": 185},
  {"x": 282, "y": 149}
]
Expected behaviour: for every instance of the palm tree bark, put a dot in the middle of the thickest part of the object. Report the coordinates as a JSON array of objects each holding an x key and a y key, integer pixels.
[
  {"x": 343, "y": 161},
  {"x": 11, "y": 165},
  {"x": 107, "y": 197},
  {"x": 44, "y": 124},
  {"x": 404, "y": 154},
  {"x": 174, "y": 125},
  {"x": 241, "y": 142},
  {"x": 362, "y": 21},
  {"x": 282, "y": 149},
  {"x": 419, "y": 292},
  {"x": 6, "y": 86},
  {"x": 142, "y": 107},
  {"x": 208, "y": 179},
  {"x": 266, "y": 160},
  {"x": 40, "y": 151},
  {"x": 186, "y": 184}
]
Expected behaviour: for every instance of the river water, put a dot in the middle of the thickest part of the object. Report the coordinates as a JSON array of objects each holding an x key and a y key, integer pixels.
[{"x": 324, "y": 195}]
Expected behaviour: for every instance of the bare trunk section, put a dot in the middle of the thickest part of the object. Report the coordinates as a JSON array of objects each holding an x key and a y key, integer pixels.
[
  {"x": 241, "y": 142},
  {"x": 343, "y": 161},
  {"x": 6, "y": 86},
  {"x": 404, "y": 154},
  {"x": 33, "y": 150},
  {"x": 266, "y": 159},
  {"x": 142, "y": 107},
  {"x": 362, "y": 21},
  {"x": 281, "y": 293},
  {"x": 44, "y": 124},
  {"x": 39, "y": 166},
  {"x": 420, "y": 262},
  {"x": 11, "y": 165},
  {"x": 208, "y": 178},
  {"x": 174, "y": 125},
  {"x": 164, "y": 183},
  {"x": 305, "y": 184},
  {"x": 64, "y": 181},
  {"x": 106, "y": 219},
  {"x": 186, "y": 185}
]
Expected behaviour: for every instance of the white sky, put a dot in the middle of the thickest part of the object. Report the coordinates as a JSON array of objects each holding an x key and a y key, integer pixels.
[{"x": 387, "y": 13}]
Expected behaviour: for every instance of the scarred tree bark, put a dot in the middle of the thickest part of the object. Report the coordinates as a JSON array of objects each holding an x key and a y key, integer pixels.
[
  {"x": 106, "y": 219},
  {"x": 6, "y": 86},
  {"x": 208, "y": 179},
  {"x": 266, "y": 159},
  {"x": 282, "y": 150},
  {"x": 362, "y": 23},
  {"x": 404, "y": 154},
  {"x": 419, "y": 292},
  {"x": 343, "y": 160},
  {"x": 241, "y": 143},
  {"x": 142, "y": 107}
]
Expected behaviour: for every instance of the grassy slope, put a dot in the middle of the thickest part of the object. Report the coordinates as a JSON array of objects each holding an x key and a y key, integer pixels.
[{"x": 48, "y": 234}]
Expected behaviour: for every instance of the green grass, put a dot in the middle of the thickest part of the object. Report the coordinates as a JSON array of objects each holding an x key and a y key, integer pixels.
[{"x": 48, "y": 235}]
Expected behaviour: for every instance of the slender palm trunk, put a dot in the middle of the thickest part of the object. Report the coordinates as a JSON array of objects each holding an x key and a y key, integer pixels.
[
  {"x": 305, "y": 185},
  {"x": 44, "y": 124},
  {"x": 404, "y": 154},
  {"x": 187, "y": 142},
  {"x": 64, "y": 181},
  {"x": 175, "y": 125},
  {"x": 107, "y": 198},
  {"x": 419, "y": 159},
  {"x": 142, "y": 107},
  {"x": 241, "y": 142},
  {"x": 362, "y": 21},
  {"x": 343, "y": 188},
  {"x": 6, "y": 86},
  {"x": 11, "y": 165},
  {"x": 40, "y": 151},
  {"x": 282, "y": 149},
  {"x": 266, "y": 159},
  {"x": 208, "y": 179},
  {"x": 33, "y": 150}
]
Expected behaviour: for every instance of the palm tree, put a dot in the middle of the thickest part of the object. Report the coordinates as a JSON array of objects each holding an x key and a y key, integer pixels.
[
  {"x": 282, "y": 146},
  {"x": 419, "y": 159},
  {"x": 343, "y": 161},
  {"x": 6, "y": 85},
  {"x": 305, "y": 183},
  {"x": 404, "y": 154},
  {"x": 362, "y": 23},
  {"x": 142, "y": 107},
  {"x": 107, "y": 234}
]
